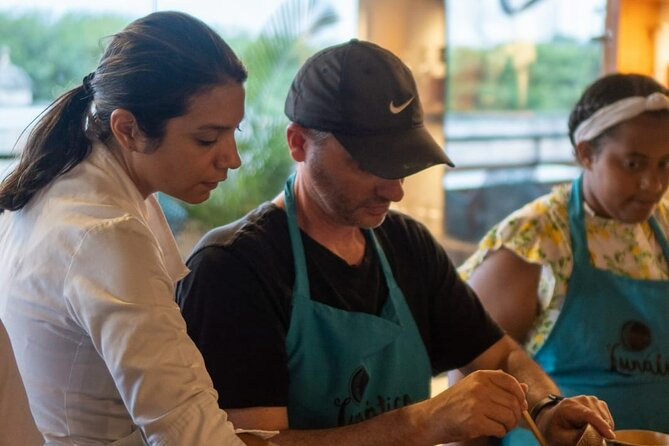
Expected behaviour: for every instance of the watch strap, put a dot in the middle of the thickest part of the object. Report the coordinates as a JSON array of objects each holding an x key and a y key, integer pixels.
[{"x": 550, "y": 400}]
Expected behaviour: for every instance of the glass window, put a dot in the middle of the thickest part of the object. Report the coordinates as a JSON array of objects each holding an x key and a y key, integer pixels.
[{"x": 514, "y": 70}]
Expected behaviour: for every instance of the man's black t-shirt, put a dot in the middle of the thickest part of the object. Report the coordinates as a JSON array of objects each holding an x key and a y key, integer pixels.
[{"x": 237, "y": 300}]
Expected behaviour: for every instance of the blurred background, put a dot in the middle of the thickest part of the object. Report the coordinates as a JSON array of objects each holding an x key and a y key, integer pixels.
[{"x": 497, "y": 80}]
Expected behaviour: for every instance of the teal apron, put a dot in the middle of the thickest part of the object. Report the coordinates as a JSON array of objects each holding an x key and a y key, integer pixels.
[
  {"x": 346, "y": 367},
  {"x": 611, "y": 338}
]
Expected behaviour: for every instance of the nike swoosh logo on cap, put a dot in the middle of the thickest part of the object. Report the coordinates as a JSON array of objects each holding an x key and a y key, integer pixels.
[{"x": 395, "y": 109}]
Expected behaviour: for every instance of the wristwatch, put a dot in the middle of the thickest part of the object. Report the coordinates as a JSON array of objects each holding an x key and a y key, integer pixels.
[{"x": 550, "y": 400}]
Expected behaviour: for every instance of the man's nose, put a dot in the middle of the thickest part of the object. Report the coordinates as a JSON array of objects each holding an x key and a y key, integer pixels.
[{"x": 391, "y": 190}]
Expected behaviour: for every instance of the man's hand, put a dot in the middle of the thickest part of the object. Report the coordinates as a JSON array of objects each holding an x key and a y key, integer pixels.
[
  {"x": 564, "y": 423},
  {"x": 484, "y": 403}
]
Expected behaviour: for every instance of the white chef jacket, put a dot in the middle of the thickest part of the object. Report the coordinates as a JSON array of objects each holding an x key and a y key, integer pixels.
[
  {"x": 17, "y": 426},
  {"x": 87, "y": 275}
]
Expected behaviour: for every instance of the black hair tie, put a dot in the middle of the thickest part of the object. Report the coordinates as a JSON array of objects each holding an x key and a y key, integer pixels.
[{"x": 86, "y": 83}]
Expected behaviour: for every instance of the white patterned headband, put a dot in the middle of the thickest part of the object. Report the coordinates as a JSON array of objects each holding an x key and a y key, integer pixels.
[{"x": 617, "y": 112}]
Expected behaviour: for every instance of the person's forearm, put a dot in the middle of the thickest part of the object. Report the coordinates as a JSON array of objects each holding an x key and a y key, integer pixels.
[
  {"x": 526, "y": 370},
  {"x": 508, "y": 356},
  {"x": 406, "y": 426}
]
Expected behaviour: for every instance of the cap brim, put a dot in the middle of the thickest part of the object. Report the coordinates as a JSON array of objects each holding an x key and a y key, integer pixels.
[{"x": 395, "y": 155}]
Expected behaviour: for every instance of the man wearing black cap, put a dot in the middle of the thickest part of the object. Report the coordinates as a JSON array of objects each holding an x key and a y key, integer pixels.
[{"x": 323, "y": 314}]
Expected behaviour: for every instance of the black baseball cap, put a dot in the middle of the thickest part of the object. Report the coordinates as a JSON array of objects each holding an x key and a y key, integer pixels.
[{"x": 367, "y": 98}]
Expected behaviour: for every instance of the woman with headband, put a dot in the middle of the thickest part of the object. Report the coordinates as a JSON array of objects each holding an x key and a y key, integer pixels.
[{"x": 580, "y": 277}]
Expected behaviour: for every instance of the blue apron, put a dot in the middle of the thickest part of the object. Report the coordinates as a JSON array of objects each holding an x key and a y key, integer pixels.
[
  {"x": 611, "y": 338},
  {"x": 345, "y": 367}
]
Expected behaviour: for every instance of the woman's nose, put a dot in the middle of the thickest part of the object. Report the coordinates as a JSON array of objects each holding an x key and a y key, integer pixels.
[
  {"x": 228, "y": 156},
  {"x": 653, "y": 181}
]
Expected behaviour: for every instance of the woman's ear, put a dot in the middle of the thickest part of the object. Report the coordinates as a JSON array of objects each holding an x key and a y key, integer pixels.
[
  {"x": 584, "y": 153},
  {"x": 296, "y": 139},
  {"x": 125, "y": 129}
]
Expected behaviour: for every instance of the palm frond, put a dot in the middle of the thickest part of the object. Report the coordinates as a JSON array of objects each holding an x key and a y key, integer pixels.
[{"x": 280, "y": 47}]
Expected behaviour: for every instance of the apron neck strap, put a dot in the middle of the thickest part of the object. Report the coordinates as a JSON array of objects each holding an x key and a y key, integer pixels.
[
  {"x": 659, "y": 235},
  {"x": 301, "y": 285},
  {"x": 579, "y": 241}
]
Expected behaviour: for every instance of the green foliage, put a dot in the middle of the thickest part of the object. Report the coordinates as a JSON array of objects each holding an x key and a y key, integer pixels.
[
  {"x": 563, "y": 69},
  {"x": 56, "y": 54},
  {"x": 507, "y": 97},
  {"x": 272, "y": 60},
  {"x": 483, "y": 79}
]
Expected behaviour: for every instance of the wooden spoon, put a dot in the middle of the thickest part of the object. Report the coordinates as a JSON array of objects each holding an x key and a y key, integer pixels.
[{"x": 535, "y": 430}]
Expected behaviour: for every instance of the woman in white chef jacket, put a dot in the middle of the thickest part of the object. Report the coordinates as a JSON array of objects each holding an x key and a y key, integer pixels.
[{"x": 88, "y": 261}]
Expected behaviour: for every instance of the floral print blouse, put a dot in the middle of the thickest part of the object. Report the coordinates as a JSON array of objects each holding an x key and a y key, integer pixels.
[{"x": 539, "y": 233}]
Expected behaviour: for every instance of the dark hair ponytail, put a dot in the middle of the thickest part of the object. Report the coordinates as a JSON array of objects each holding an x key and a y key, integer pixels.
[
  {"x": 152, "y": 68},
  {"x": 55, "y": 145}
]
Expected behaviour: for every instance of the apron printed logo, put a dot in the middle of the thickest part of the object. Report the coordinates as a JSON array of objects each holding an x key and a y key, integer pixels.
[
  {"x": 351, "y": 413},
  {"x": 359, "y": 382},
  {"x": 635, "y": 337},
  {"x": 352, "y": 409}
]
